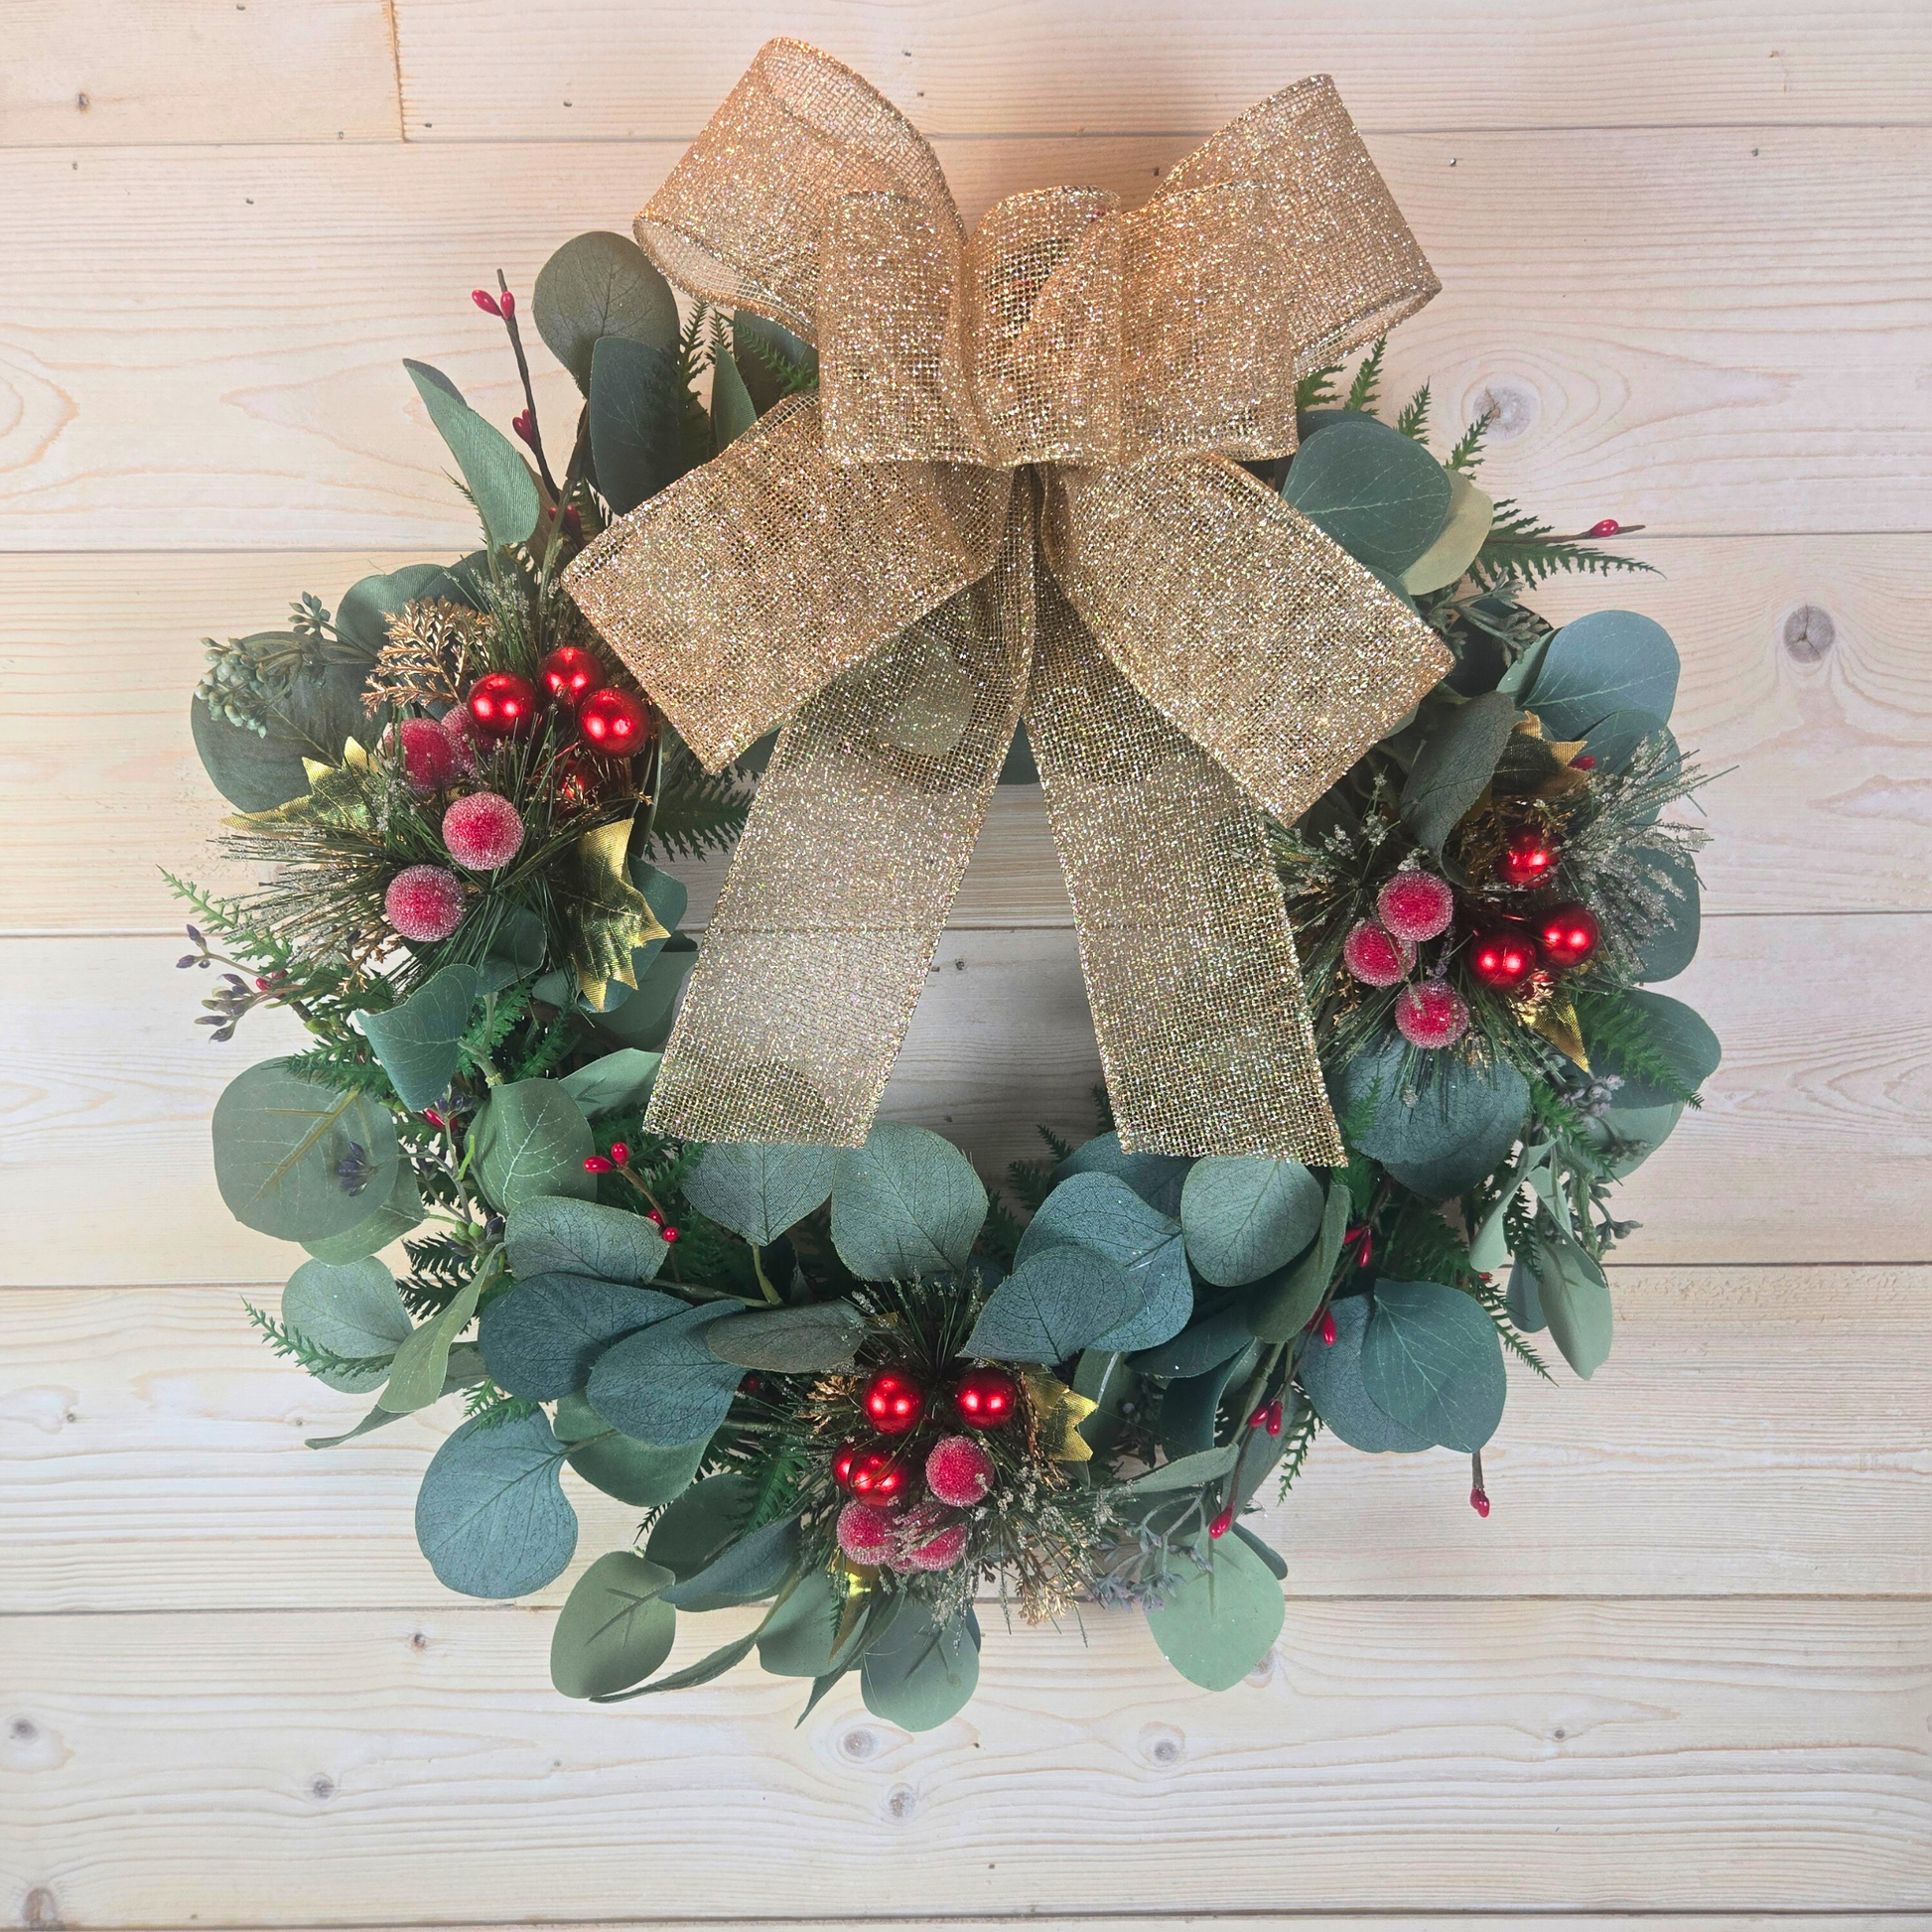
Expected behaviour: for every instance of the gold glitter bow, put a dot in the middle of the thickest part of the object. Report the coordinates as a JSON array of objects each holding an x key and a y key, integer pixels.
[{"x": 1016, "y": 494}]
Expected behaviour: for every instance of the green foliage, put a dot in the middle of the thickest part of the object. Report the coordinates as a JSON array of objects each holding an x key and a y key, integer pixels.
[
  {"x": 1523, "y": 549},
  {"x": 1222, "y": 1614},
  {"x": 1243, "y": 1217},
  {"x": 697, "y": 811},
  {"x": 1365, "y": 390},
  {"x": 491, "y": 1516},
  {"x": 1412, "y": 418},
  {"x": 1101, "y": 1212},
  {"x": 339, "y": 1371},
  {"x": 905, "y": 1204}
]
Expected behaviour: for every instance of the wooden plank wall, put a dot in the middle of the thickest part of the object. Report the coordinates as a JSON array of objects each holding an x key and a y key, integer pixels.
[{"x": 1684, "y": 1670}]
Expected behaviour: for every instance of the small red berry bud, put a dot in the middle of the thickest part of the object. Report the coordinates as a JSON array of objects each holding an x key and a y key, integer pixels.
[
  {"x": 525, "y": 425},
  {"x": 485, "y": 301},
  {"x": 656, "y": 1217},
  {"x": 1479, "y": 1501},
  {"x": 669, "y": 1234},
  {"x": 509, "y": 304},
  {"x": 1222, "y": 1523},
  {"x": 1259, "y": 1417},
  {"x": 1585, "y": 763},
  {"x": 261, "y": 986},
  {"x": 433, "y": 1117},
  {"x": 1273, "y": 1418},
  {"x": 573, "y": 522},
  {"x": 620, "y": 1152},
  {"x": 1328, "y": 1327},
  {"x": 1608, "y": 529},
  {"x": 596, "y": 1164}
]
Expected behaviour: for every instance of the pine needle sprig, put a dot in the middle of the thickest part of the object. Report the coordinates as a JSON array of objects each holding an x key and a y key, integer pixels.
[
  {"x": 787, "y": 377},
  {"x": 1302, "y": 1429}
]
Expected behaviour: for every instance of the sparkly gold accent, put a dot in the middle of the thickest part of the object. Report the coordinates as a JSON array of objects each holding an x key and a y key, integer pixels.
[
  {"x": 608, "y": 916},
  {"x": 426, "y": 657},
  {"x": 1020, "y": 462},
  {"x": 1555, "y": 1020},
  {"x": 1059, "y": 1412}
]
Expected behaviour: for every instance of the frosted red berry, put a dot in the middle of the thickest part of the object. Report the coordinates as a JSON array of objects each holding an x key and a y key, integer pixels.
[
  {"x": 941, "y": 1551},
  {"x": 430, "y": 756},
  {"x": 866, "y": 1533},
  {"x": 424, "y": 904},
  {"x": 1375, "y": 956},
  {"x": 1431, "y": 1016},
  {"x": 483, "y": 831},
  {"x": 1414, "y": 904},
  {"x": 959, "y": 1472}
]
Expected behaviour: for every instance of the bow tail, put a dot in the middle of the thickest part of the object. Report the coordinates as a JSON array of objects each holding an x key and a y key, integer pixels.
[
  {"x": 1191, "y": 969},
  {"x": 848, "y": 867}
]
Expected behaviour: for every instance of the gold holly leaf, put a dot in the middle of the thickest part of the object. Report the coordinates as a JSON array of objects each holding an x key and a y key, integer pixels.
[
  {"x": 1059, "y": 1413},
  {"x": 341, "y": 797},
  {"x": 608, "y": 916},
  {"x": 1556, "y": 1021}
]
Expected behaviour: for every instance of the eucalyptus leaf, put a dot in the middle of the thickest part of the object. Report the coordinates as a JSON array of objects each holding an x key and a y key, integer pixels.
[
  {"x": 1200, "y": 1346},
  {"x": 494, "y": 471},
  {"x": 372, "y": 604},
  {"x": 1193, "y": 1471},
  {"x": 596, "y": 287},
  {"x": 642, "y": 1018},
  {"x": 732, "y": 410},
  {"x": 639, "y": 1473},
  {"x": 351, "y": 1309},
  {"x": 791, "y": 1341},
  {"x": 664, "y": 1385},
  {"x": 1610, "y": 660},
  {"x": 1102, "y": 1212},
  {"x": 1575, "y": 1299},
  {"x": 917, "y": 1673},
  {"x": 1677, "y": 1032},
  {"x": 1055, "y": 1302},
  {"x": 1614, "y": 740},
  {"x": 1332, "y": 1373},
  {"x": 1190, "y": 1409},
  {"x": 697, "y": 1527},
  {"x": 1431, "y": 1359},
  {"x": 759, "y": 1188},
  {"x": 751, "y": 1566},
  {"x": 1109, "y": 1381},
  {"x": 390, "y": 1219},
  {"x": 724, "y": 1658},
  {"x": 551, "y": 1234},
  {"x": 1280, "y": 1308},
  {"x": 1375, "y": 492},
  {"x": 905, "y": 1204},
  {"x": 311, "y": 718},
  {"x": 418, "y": 1375},
  {"x": 1524, "y": 1300},
  {"x": 614, "y": 1628},
  {"x": 490, "y": 1515},
  {"x": 1672, "y": 945},
  {"x": 530, "y": 1139},
  {"x": 418, "y": 1039},
  {"x": 1455, "y": 766},
  {"x": 636, "y": 409},
  {"x": 619, "y": 1082},
  {"x": 1439, "y": 1126},
  {"x": 668, "y": 896},
  {"x": 299, "y": 1160},
  {"x": 1156, "y": 1177},
  {"x": 1244, "y": 1216},
  {"x": 800, "y": 1639},
  {"x": 1220, "y": 1615},
  {"x": 1464, "y": 531},
  {"x": 540, "y": 1340}
]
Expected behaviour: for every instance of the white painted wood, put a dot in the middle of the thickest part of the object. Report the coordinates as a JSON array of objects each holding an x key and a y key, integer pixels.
[{"x": 1421, "y": 1756}]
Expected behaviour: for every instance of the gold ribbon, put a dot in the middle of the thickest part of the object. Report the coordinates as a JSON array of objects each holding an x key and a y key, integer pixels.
[{"x": 1016, "y": 494}]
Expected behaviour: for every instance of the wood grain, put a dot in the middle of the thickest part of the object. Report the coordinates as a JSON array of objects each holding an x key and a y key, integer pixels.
[
  {"x": 198, "y": 70},
  {"x": 484, "y": 70},
  {"x": 151, "y": 1457},
  {"x": 1825, "y": 805},
  {"x": 1703, "y": 330},
  {"x": 1414, "y": 1756},
  {"x": 1811, "y": 1148},
  {"x": 1292, "y": 1921}
]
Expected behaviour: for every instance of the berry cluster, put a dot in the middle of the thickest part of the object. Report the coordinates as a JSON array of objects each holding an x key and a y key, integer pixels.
[{"x": 887, "y": 1521}]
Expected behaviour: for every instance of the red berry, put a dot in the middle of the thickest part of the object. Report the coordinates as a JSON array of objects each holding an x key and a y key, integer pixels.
[
  {"x": 619, "y": 1151},
  {"x": 985, "y": 1397},
  {"x": 1584, "y": 762},
  {"x": 485, "y": 301},
  {"x": 1375, "y": 956},
  {"x": 1273, "y": 1418},
  {"x": 1503, "y": 959},
  {"x": 430, "y": 756},
  {"x": 1527, "y": 859},
  {"x": 656, "y": 1217},
  {"x": 424, "y": 904},
  {"x": 1568, "y": 936},
  {"x": 433, "y": 1117},
  {"x": 1414, "y": 904},
  {"x": 616, "y": 724},
  {"x": 843, "y": 1459},
  {"x": 483, "y": 831},
  {"x": 503, "y": 703},
  {"x": 1222, "y": 1523},
  {"x": 669, "y": 1234},
  {"x": 1608, "y": 527},
  {"x": 1328, "y": 1327},
  {"x": 866, "y": 1533},
  {"x": 596, "y": 1164},
  {"x": 925, "y": 1545},
  {"x": 525, "y": 425},
  {"x": 1259, "y": 1417},
  {"x": 959, "y": 1472},
  {"x": 1431, "y": 1016},
  {"x": 509, "y": 302},
  {"x": 1479, "y": 1501},
  {"x": 567, "y": 673},
  {"x": 894, "y": 1401},
  {"x": 874, "y": 1475}
]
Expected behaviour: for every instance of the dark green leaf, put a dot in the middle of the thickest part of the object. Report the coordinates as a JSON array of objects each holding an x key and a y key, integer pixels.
[
  {"x": 531, "y": 1138},
  {"x": 418, "y": 1375},
  {"x": 498, "y": 479},
  {"x": 1190, "y": 1409},
  {"x": 1455, "y": 766},
  {"x": 1057, "y": 1301},
  {"x": 298, "y": 1160},
  {"x": 759, "y": 1188},
  {"x": 490, "y": 1515},
  {"x": 692, "y": 1674},
  {"x": 800, "y": 1637},
  {"x": 1193, "y": 1471},
  {"x": 1156, "y": 1177},
  {"x": 1244, "y": 1216},
  {"x": 637, "y": 402},
  {"x": 664, "y": 1385},
  {"x": 614, "y": 1629},
  {"x": 749, "y": 334},
  {"x": 553, "y": 1235},
  {"x": 732, "y": 411},
  {"x": 1610, "y": 660},
  {"x": 755, "y": 1566},
  {"x": 540, "y": 1340},
  {"x": 640, "y": 1474},
  {"x": 1431, "y": 1359},
  {"x": 791, "y": 1341},
  {"x": 1665, "y": 952},
  {"x": 1333, "y": 1376},
  {"x": 1280, "y": 1309},
  {"x": 1102, "y": 1212},
  {"x": 417, "y": 1039},
  {"x": 1687, "y": 1045},
  {"x": 1440, "y": 1126},
  {"x": 1200, "y": 1346},
  {"x": 313, "y": 719},
  {"x": 907, "y": 1203},
  {"x": 690, "y": 1533},
  {"x": 618, "y": 1082},
  {"x": 916, "y": 1673},
  {"x": 372, "y": 604},
  {"x": 598, "y": 286},
  {"x": 1377, "y": 493}
]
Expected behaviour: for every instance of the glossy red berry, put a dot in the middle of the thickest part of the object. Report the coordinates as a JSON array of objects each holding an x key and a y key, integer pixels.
[
  {"x": 568, "y": 673},
  {"x": 1222, "y": 1523},
  {"x": 619, "y": 1151},
  {"x": 508, "y": 301},
  {"x": 596, "y": 1164},
  {"x": 1273, "y": 1418},
  {"x": 487, "y": 302},
  {"x": 1328, "y": 1327},
  {"x": 503, "y": 703},
  {"x": 1607, "y": 528},
  {"x": 615, "y": 724},
  {"x": 1479, "y": 1501},
  {"x": 1527, "y": 859},
  {"x": 433, "y": 1117},
  {"x": 985, "y": 1397},
  {"x": 894, "y": 1401},
  {"x": 1503, "y": 959},
  {"x": 1568, "y": 936},
  {"x": 874, "y": 1475},
  {"x": 669, "y": 1234},
  {"x": 525, "y": 425}
]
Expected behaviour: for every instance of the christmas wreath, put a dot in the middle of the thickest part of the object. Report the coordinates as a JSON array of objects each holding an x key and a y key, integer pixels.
[{"x": 838, "y": 1375}]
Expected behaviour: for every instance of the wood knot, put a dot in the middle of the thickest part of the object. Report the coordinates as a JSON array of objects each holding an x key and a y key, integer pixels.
[
  {"x": 321, "y": 1786},
  {"x": 1162, "y": 1744},
  {"x": 23, "y": 1731},
  {"x": 1809, "y": 634},
  {"x": 83, "y": 103},
  {"x": 857, "y": 1745},
  {"x": 1510, "y": 408},
  {"x": 901, "y": 1801},
  {"x": 419, "y": 1640},
  {"x": 39, "y": 1908}
]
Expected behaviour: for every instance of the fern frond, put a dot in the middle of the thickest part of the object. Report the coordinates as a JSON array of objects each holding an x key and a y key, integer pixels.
[
  {"x": 1316, "y": 389},
  {"x": 1467, "y": 453},
  {"x": 308, "y": 1353},
  {"x": 698, "y": 812},
  {"x": 1367, "y": 390},
  {"x": 1521, "y": 549},
  {"x": 1413, "y": 419}
]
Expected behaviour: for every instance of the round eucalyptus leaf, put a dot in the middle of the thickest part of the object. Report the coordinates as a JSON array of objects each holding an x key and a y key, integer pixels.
[
  {"x": 298, "y": 1160},
  {"x": 1431, "y": 1359},
  {"x": 690, "y": 1533},
  {"x": 1221, "y": 1611},
  {"x": 418, "y": 1039},
  {"x": 596, "y": 285},
  {"x": 1244, "y": 1216},
  {"x": 801, "y": 1636},
  {"x": 1332, "y": 1375},
  {"x": 759, "y": 1188},
  {"x": 917, "y": 1673},
  {"x": 664, "y": 1385},
  {"x": 1676, "y": 1032},
  {"x": 639, "y": 1473},
  {"x": 530, "y": 1139},
  {"x": 370, "y": 605},
  {"x": 1610, "y": 660},
  {"x": 389, "y": 1221},
  {"x": 540, "y": 1340},
  {"x": 907, "y": 1203},
  {"x": 1100, "y": 1211},
  {"x": 1055, "y": 1302},
  {"x": 1377, "y": 493},
  {"x": 1437, "y": 1123},
  {"x": 791, "y": 1341},
  {"x": 312, "y": 718},
  {"x": 1156, "y": 1177},
  {"x": 552, "y": 1234},
  {"x": 614, "y": 1628},
  {"x": 1665, "y": 951},
  {"x": 351, "y": 1309},
  {"x": 491, "y": 1516}
]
